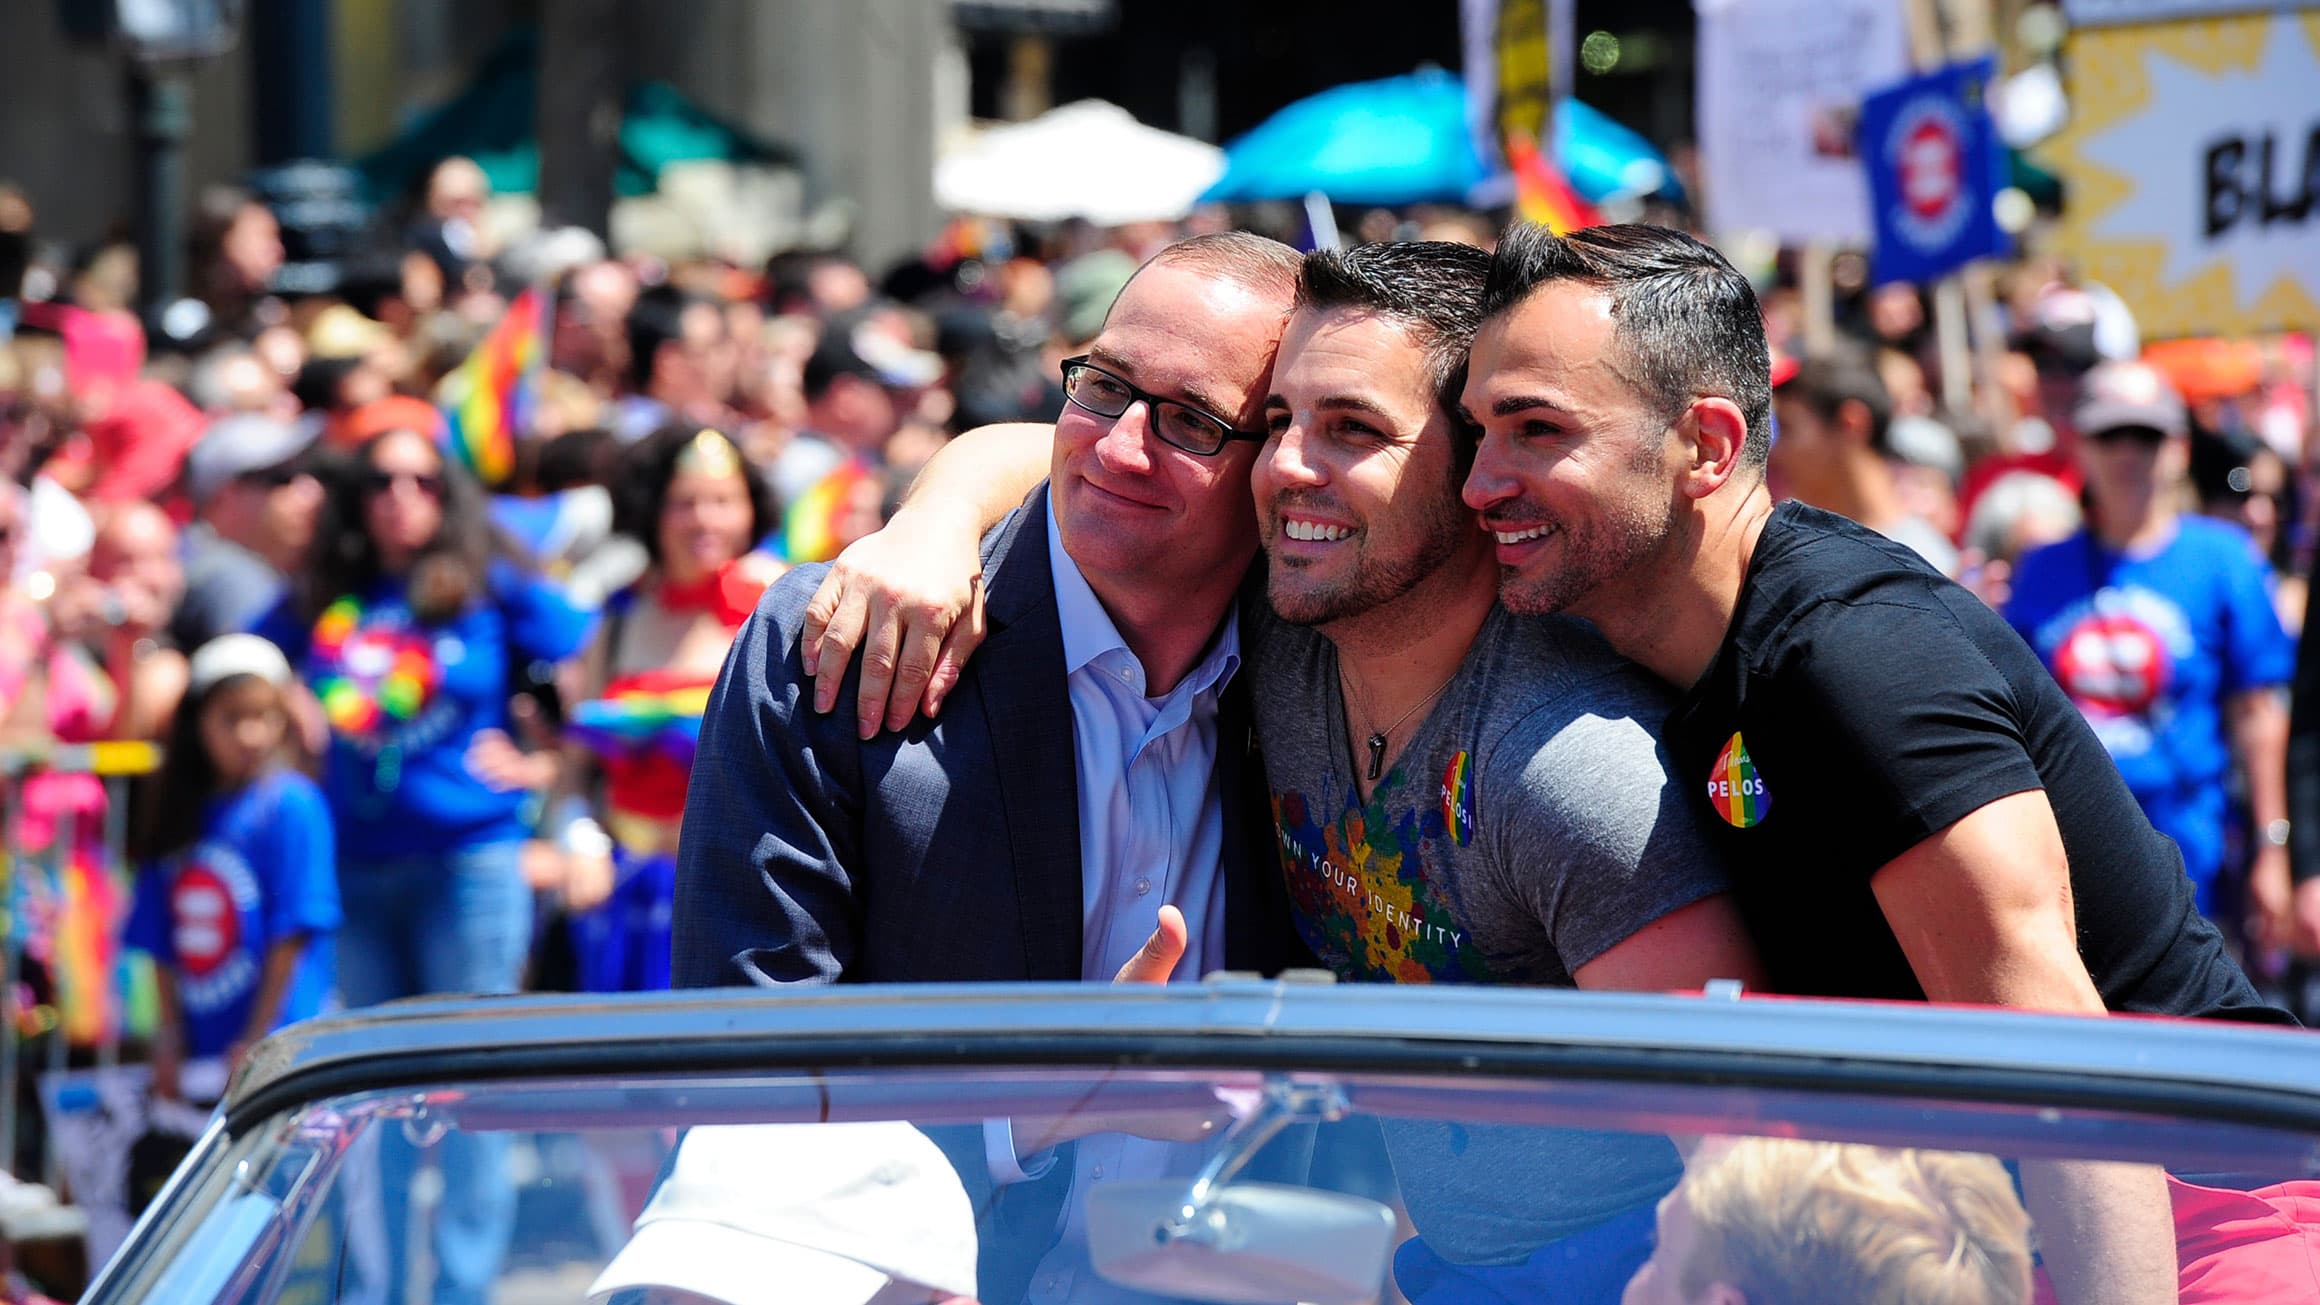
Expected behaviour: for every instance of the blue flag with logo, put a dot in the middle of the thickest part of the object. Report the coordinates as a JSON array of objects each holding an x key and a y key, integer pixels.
[{"x": 1935, "y": 163}]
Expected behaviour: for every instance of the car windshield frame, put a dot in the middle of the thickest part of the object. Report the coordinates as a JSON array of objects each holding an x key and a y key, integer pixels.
[{"x": 2220, "y": 1075}]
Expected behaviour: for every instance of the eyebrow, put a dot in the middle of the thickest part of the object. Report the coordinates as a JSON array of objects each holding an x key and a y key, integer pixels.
[
  {"x": 1336, "y": 403},
  {"x": 1189, "y": 395},
  {"x": 1521, "y": 403}
]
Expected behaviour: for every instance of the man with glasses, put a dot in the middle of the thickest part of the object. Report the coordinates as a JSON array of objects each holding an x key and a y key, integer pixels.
[
  {"x": 1095, "y": 766},
  {"x": 255, "y": 504}
]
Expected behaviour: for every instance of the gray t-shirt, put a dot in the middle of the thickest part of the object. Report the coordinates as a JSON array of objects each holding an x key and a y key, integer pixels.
[{"x": 1526, "y": 828}]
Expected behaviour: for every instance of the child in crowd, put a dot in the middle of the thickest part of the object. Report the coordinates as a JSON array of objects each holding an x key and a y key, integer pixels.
[{"x": 237, "y": 897}]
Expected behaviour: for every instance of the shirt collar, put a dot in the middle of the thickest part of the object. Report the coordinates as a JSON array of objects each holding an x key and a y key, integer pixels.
[{"x": 1088, "y": 632}]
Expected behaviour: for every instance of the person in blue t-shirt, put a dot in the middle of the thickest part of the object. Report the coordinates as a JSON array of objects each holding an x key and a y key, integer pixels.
[
  {"x": 237, "y": 897},
  {"x": 410, "y": 628},
  {"x": 2161, "y": 627}
]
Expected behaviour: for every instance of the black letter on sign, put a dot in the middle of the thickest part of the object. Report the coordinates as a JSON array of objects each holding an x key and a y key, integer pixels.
[{"x": 2224, "y": 200}]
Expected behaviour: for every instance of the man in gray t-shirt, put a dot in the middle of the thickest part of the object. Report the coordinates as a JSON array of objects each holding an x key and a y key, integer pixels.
[{"x": 1526, "y": 827}]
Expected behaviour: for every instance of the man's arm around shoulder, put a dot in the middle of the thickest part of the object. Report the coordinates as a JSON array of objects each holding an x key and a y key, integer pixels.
[{"x": 765, "y": 889}]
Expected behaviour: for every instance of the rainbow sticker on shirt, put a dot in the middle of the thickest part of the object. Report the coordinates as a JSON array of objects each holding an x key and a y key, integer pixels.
[
  {"x": 374, "y": 677},
  {"x": 1458, "y": 799},
  {"x": 1735, "y": 788}
]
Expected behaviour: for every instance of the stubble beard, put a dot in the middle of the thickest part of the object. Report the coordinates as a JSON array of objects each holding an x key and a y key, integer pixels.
[{"x": 1376, "y": 580}]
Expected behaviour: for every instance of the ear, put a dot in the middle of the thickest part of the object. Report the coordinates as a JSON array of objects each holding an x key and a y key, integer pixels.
[
  {"x": 1722, "y": 1293},
  {"x": 1713, "y": 433}
]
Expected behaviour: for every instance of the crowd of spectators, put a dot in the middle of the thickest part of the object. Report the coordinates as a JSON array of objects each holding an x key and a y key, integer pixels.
[{"x": 481, "y": 704}]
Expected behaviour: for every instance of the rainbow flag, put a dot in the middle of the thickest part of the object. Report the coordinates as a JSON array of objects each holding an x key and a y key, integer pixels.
[
  {"x": 487, "y": 400},
  {"x": 72, "y": 926},
  {"x": 1541, "y": 194},
  {"x": 641, "y": 718},
  {"x": 810, "y": 527}
]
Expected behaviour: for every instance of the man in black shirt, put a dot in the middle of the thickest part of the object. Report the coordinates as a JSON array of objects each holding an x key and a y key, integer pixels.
[{"x": 1909, "y": 805}]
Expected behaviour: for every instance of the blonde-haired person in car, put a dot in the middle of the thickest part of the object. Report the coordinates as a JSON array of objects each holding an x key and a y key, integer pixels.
[{"x": 1777, "y": 1221}]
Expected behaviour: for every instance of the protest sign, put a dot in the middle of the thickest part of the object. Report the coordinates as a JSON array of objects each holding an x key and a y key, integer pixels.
[
  {"x": 1780, "y": 89},
  {"x": 1934, "y": 163},
  {"x": 2193, "y": 158}
]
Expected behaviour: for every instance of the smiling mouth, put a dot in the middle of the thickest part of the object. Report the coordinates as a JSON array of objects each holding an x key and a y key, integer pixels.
[
  {"x": 1314, "y": 531},
  {"x": 1522, "y": 536}
]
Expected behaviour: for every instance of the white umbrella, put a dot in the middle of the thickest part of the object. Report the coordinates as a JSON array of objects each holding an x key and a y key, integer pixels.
[{"x": 1088, "y": 160}]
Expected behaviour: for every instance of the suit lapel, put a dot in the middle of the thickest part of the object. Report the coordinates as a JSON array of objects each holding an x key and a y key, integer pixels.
[{"x": 1020, "y": 681}]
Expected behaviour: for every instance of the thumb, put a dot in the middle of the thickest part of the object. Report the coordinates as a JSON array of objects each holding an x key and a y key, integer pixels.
[{"x": 1157, "y": 959}]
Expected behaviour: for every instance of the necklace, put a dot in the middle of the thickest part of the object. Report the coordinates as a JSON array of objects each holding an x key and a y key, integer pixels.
[{"x": 1376, "y": 742}]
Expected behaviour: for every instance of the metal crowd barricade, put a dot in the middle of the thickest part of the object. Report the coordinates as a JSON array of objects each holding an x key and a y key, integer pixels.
[{"x": 115, "y": 762}]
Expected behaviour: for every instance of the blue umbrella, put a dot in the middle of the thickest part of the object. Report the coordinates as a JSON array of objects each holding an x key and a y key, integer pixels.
[
  {"x": 1403, "y": 140},
  {"x": 1605, "y": 160}
]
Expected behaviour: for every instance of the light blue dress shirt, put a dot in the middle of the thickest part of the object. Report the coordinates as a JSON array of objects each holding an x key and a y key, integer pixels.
[
  {"x": 1151, "y": 830},
  {"x": 1151, "y": 826}
]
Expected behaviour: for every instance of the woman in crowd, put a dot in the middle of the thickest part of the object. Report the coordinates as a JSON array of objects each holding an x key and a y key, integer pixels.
[
  {"x": 691, "y": 498},
  {"x": 410, "y": 627}
]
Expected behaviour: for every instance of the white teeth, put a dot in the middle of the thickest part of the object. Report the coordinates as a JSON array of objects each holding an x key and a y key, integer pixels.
[
  {"x": 1314, "y": 530},
  {"x": 1518, "y": 536}
]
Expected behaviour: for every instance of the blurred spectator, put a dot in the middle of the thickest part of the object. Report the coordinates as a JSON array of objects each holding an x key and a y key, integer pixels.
[
  {"x": 412, "y": 625},
  {"x": 119, "y": 609},
  {"x": 2160, "y": 627},
  {"x": 700, "y": 509},
  {"x": 450, "y": 228},
  {"x": 2021, "y": 511},
  {"x": 1835, "y": 452},
  {"x": 680, "y": 364},
  {"x": 237, "y": 250},
  {"x": 237, "y": 894},
  {"x": 255, "y": 502}
]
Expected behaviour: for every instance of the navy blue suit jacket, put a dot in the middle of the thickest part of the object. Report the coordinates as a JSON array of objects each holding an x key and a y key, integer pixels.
[{"x": 947, "y": 851}]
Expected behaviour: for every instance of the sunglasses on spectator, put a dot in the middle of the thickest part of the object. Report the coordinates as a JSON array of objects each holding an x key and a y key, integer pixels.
[
  {"x": 379, "y": 482},
  {"x": 1188, "y": 428},
  {"x": 271, "y": 477}
]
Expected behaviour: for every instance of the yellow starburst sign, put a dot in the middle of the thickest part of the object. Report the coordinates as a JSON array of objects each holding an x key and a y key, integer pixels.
[{"x": 2193, "y": 157}]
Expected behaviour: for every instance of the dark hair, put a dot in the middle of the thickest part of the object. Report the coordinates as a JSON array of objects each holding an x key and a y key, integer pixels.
[
  {"x": 1826, "y": 382},
  {"x": 643, "y": 487},
  {"x": 1685, "y": 322},
  {"x": 451, "y": 572},
  {"x": 170, "y": 801},
  {"x": 1260, "y": 263},
  {"x": 1432, "y": 287},
  {"x": 656, "y": 318}
]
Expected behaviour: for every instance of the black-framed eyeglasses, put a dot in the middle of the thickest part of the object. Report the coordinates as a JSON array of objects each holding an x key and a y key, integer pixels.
[{"x": 1174, "y": 421}]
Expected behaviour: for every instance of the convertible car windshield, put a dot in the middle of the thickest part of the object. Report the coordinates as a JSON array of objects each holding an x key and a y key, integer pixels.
[{"x": 960, "y": 1152}]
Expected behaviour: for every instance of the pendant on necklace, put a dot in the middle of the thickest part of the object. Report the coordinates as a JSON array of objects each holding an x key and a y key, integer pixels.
[{"x": 1377, "y": 755}]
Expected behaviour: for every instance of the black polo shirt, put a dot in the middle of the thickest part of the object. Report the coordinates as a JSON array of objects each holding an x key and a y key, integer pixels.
[{"x": 1861, "y": 703}]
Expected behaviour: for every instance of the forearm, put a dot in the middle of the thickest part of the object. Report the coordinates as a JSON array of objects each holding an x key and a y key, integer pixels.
[
  {"x": 2259, "y": 734},
  {"x": 978, "y": 478},
  {"x": 274, "y": 986},
  {"x": 2107, "y": 1231}
]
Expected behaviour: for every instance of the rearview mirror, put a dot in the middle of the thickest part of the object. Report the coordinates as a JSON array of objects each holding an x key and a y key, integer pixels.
[{"x": 1247, "y": 1244}]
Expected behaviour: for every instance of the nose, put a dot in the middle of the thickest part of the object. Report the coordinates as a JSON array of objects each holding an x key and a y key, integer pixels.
[
  {"x": 1487, "y": 483},
  {"x": 1127, "y": 446},
  {"x": 1284, "y": 461}
]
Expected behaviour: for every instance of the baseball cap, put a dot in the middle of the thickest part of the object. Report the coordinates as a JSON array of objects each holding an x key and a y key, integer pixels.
[
  {"x": 2122, "y": 394},
  {"x": 238, "y": 445},
  {"x": 229, "y": 655},
  {"x": 801, "y": 1214}
]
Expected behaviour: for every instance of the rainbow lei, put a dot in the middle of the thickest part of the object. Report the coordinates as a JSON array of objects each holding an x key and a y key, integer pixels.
[{"x": 376, "y": 676}]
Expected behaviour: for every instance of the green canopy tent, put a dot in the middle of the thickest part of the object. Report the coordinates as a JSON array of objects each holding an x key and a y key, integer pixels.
[{"x": 495, "y": 122}]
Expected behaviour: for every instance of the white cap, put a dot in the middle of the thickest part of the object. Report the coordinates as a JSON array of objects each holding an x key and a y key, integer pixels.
[
  {"x": 801, "y": 1214},
  {"x": 229, "y": 655}
]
